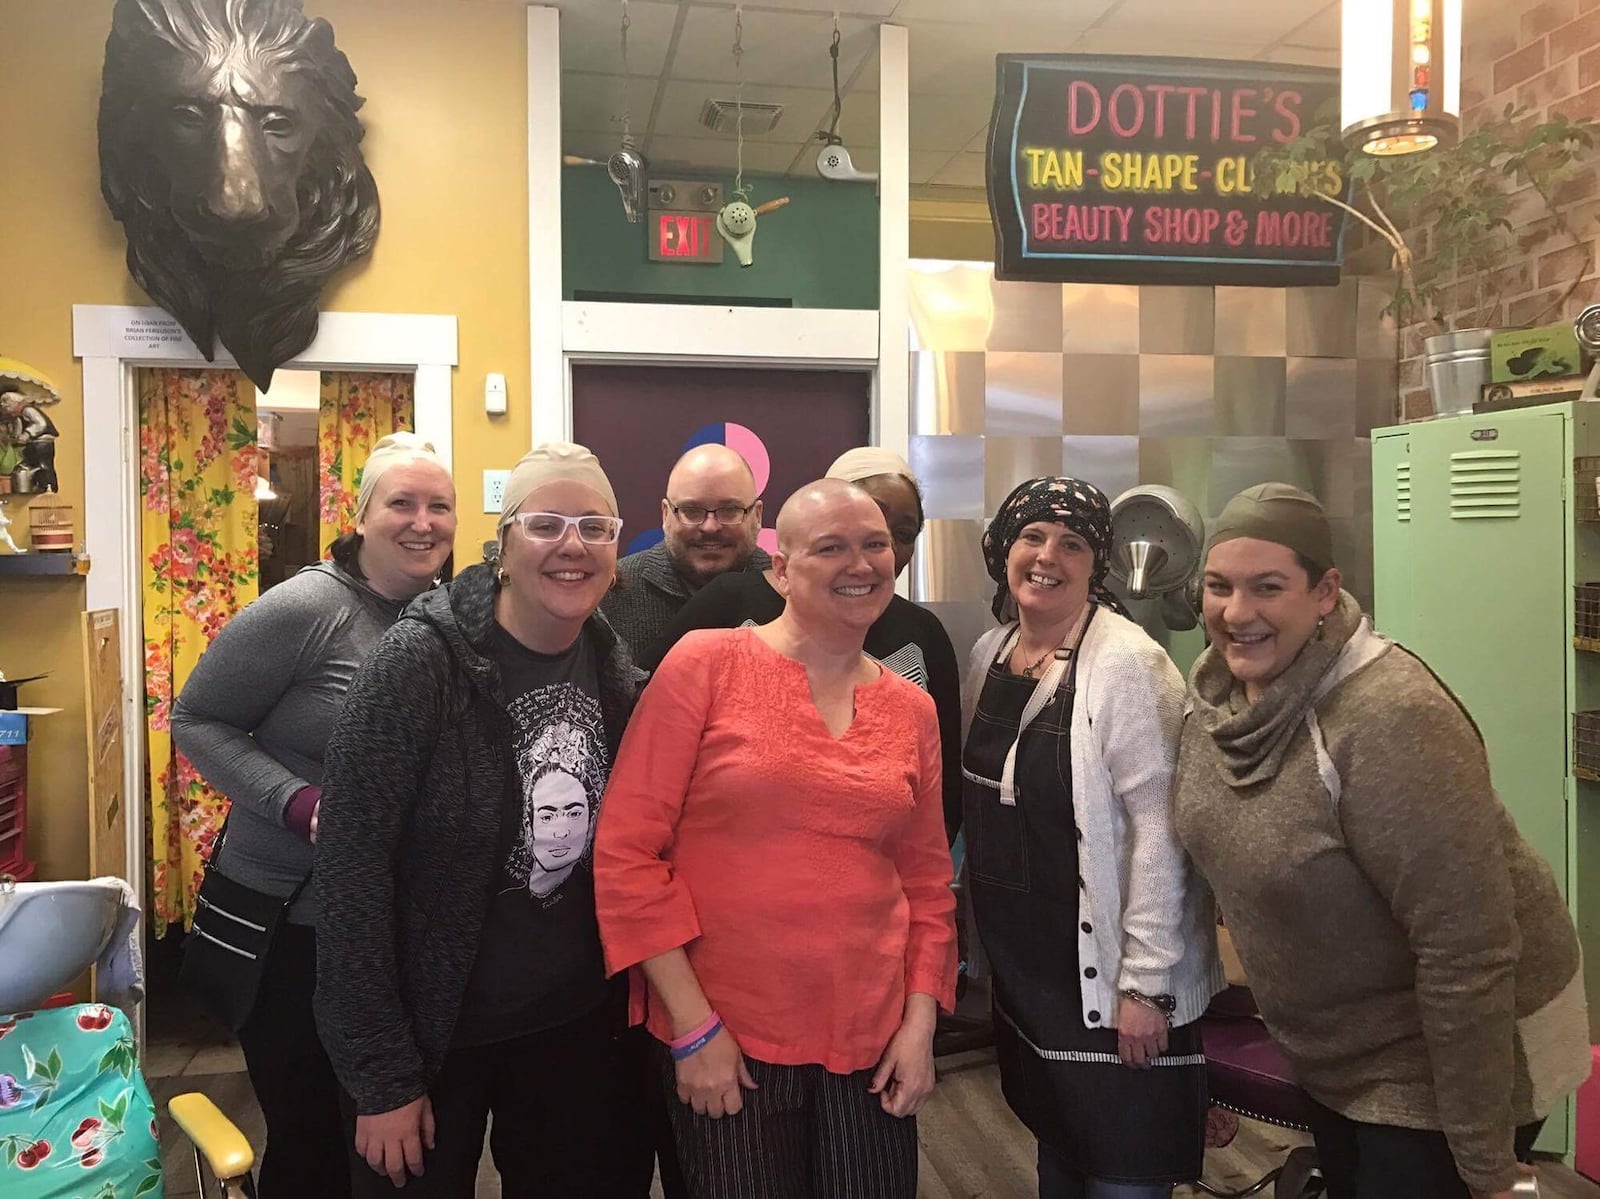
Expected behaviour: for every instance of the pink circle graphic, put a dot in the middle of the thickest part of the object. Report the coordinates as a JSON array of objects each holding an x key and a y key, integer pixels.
[{"x": 749, "y": 446}]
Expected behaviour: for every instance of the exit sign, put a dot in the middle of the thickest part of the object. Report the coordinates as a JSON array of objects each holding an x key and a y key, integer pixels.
[{"x": 684, "y": 237}]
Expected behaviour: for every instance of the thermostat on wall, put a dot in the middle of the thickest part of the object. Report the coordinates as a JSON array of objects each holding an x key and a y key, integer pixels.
[{"x": 494, "y": 395}]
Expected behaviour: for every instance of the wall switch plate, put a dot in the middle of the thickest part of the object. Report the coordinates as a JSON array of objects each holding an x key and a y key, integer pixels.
[
  {"x": 494, "y": 489},
  {"x": 494, "y": 395}
]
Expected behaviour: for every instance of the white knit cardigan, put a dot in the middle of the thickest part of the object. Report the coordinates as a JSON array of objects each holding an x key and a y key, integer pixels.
[{"x": 1152, "y": 917}]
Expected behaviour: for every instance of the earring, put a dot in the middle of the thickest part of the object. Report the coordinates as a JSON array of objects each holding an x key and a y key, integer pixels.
[
  {"x": 1321, "y": 620},
  {"x": 500, "y": 576}
]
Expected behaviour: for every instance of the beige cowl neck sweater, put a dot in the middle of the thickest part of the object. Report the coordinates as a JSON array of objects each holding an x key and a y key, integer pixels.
[{"x": 1409, "y": 951}]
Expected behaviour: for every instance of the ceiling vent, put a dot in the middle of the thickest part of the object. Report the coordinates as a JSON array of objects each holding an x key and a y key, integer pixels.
[{"x": 723, "y": 116}]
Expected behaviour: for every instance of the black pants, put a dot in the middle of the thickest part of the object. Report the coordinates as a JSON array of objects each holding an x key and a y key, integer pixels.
[
  {"x": 651, "y": 1120},
  {"x": 554, "y": 1097},
  {"x": 293, "y": 1079},
  {"x": 803, "y": 1133},
  {"x": 1381, "y": 1161}
]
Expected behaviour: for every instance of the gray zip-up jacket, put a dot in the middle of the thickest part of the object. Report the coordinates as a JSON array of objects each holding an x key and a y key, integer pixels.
[
  {"x": 256, "y": 714},
  {"x": 410, "y": 837}
]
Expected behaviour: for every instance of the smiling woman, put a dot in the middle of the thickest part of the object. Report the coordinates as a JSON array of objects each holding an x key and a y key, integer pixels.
[
  {"x": 465, "y": 768},
  {"x": 783, "y": 996},
  {"x": 1072, "y": 720}
]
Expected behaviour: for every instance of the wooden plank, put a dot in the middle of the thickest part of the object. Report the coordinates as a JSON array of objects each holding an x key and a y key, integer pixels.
[{"x": 102, "y": 669}]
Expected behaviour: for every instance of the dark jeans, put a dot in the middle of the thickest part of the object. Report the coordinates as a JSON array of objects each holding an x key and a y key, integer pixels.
[
  {"x": 292, "y": 1077},
  {"x": 1057, "y": 1181},
  {"x": 554, "y": 1097},
  {"x": 1380, "y": 1161}
]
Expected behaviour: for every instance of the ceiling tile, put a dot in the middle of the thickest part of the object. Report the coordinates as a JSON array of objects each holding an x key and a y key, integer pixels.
[
  {"x": 1258, "y": 22},
  {"x": 590, "y": 102},
  {"x": 1080, "y": 14},
  {"x": 1321, "y": 29},
  {"x": 591, "y": 36},
  {"x": 1302, "y": 56},
  {"x": 865, "y": 9},
  {"x": 858, "y": 120},
  {"x": 924, "y": 164},
  {"x": 948, "y": 121},
  {"x": 715, "y": 154},
  {"x": 786, "y": 49},
  {"x": 803, "y": 109},
  {"x": 964, "y": 170}
]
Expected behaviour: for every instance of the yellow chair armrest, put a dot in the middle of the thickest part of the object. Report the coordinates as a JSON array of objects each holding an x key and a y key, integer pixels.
[{"x": 216, "y": 1137}]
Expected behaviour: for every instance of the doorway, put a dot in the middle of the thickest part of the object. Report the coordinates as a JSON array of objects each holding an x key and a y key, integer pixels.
[{"x": 788, "y": 423}]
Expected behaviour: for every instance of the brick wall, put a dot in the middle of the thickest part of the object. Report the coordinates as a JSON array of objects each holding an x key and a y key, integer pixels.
[{"x": 1543, "y": 55}]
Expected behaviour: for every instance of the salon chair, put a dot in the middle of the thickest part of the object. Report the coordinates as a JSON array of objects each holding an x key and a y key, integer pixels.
[{"x": 1248, "y": 1076}]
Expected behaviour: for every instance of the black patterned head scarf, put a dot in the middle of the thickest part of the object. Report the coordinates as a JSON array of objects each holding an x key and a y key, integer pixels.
[{"x": 1081, "y": 506}]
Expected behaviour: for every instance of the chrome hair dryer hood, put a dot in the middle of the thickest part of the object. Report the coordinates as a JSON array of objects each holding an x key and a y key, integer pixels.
[{"x": 1157, "y": 536}]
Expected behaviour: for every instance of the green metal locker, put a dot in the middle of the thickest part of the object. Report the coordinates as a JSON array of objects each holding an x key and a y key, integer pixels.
[{"x": 1483, "y": 526}]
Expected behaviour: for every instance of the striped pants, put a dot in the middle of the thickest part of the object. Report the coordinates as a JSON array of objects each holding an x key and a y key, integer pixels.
[{"x": 803, "y": 1133}]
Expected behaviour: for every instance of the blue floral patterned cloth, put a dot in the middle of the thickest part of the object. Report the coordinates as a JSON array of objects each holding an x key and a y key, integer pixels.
[{"x": 76, "y": 1120}]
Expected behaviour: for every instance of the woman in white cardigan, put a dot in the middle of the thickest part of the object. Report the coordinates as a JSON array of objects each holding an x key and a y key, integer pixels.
[{"x": 1101, "y": 938}]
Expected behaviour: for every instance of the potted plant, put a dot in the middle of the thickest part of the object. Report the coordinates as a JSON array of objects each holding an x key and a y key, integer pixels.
[{"x": 1465, "y": 194}]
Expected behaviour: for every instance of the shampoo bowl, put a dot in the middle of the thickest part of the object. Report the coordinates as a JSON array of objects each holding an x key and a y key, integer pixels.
[{"x": 49, "y": 934}]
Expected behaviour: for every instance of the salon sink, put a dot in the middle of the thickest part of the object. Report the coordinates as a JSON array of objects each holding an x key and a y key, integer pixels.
[{"x": 49, "y": 934}]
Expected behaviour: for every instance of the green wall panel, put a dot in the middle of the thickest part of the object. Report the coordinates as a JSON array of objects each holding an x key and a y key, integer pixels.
[{"x": 819, "y": 252}]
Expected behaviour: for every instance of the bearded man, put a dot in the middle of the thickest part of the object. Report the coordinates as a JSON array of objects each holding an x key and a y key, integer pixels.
[{"x": 710, "y": 518}]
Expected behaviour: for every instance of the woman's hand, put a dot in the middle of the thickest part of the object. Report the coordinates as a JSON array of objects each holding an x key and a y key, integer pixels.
[
  {"x": 713, "y": 1080},
  {"x": 392, "y": 1142},
  {"x": 1141, "y": 1033},
  {"x": 905, "y": 1077},
  {"x": 1523, "y": 1169}
]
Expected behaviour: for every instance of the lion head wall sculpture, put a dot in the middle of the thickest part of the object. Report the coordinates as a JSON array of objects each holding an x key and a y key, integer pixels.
[{"x": 231, "y": 153}]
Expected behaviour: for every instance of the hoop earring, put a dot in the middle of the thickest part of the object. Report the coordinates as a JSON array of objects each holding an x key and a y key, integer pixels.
[{"x": 501, "y": 578}]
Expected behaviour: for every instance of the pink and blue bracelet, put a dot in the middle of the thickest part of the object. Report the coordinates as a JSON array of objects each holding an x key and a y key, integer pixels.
[{"x": 696, "y": 1039}]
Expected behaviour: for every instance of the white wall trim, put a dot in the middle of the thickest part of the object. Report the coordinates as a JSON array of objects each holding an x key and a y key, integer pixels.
[
  {"x": 892, "y": 424},
  {"x": 112, "y": 340},
  {"x": 703, "y": 331},
  {"x": 551, "y": 416}
]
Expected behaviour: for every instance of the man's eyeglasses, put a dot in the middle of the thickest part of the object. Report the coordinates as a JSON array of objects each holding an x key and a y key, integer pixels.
[
  {"x": 694, "y": 514},
  {"x": 552, "y": 526}
]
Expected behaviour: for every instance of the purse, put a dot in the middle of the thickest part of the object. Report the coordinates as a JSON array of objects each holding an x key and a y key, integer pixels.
[{"x": 227, "y": 947}]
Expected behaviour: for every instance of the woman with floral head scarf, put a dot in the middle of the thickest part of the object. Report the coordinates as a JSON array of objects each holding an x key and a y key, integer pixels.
[{"x": 1101, "y": 940}]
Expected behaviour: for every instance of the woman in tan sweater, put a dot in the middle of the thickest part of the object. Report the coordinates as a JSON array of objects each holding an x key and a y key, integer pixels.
[{"x": 1409, "y": 951}]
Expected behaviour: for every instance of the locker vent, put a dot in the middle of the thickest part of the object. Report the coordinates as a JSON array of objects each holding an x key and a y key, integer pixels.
[
  {"x": 1402, "y": 491},
  {"x": 1485, "y": 484}
]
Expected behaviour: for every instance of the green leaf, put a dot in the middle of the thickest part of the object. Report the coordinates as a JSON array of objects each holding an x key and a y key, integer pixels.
[
  {"x": 119, "y": 1110},
  {"x": 53, "y": 1064},
  {"x": 29, "y": 1061},
  {"x": 106, "y": 1111},
  {"x": 148, "y": 1185}
]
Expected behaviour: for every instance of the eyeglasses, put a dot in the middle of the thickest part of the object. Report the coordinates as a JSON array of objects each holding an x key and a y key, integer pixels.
[
  {"x": 552, "y": 526},
  {"x": 694, "y": 514}
]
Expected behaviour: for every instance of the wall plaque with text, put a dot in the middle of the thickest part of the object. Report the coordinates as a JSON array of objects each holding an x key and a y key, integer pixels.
[{"x": 1138, "y": 170}]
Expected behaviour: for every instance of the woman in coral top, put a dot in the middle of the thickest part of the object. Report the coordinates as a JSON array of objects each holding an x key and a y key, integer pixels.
[{"x": 771, "y": 853}]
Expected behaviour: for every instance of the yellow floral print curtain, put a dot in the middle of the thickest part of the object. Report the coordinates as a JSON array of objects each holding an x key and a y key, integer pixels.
[
  {"x": 357, "y": 408},
  {"x": 197, "y": 470}
]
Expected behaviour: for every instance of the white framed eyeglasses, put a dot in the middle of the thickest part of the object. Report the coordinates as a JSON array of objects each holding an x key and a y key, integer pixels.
[{"x": 552, "y": 526}]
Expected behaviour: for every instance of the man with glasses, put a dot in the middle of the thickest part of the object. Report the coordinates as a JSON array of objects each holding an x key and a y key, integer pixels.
[{"x": 710, "y": 518}]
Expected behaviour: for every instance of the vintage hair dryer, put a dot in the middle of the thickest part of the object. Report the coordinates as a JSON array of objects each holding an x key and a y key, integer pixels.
[
  {"x": 1157, "y": 536},
  {"x": 627, "y": 170}
]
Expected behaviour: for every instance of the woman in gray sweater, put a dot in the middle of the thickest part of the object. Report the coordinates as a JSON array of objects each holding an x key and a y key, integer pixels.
[
  {"x": 255, "y": 718},
  {"x": 1410, "y": 952}
]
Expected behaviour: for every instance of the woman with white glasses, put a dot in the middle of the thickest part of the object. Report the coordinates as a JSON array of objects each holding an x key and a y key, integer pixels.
[{"x": 460, "y": 976}]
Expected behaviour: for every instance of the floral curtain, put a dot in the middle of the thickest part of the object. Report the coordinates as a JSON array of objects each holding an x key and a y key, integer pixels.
[
  {"x": 358, "y": 408},
  {"x": 197, "y": 472}
]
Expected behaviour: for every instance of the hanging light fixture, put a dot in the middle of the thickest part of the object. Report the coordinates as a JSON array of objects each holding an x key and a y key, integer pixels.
[{"x": 1400, "y": 67}]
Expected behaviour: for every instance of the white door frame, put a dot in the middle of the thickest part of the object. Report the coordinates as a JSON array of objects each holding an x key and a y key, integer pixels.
[{"x": 113, "y": 341}]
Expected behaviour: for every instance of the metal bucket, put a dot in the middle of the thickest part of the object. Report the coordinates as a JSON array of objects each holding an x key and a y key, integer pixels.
[{"x": 1458, "y": 368}]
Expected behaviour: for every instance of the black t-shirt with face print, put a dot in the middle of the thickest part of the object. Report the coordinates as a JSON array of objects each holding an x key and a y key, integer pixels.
[{"x": 539, "y": 963}]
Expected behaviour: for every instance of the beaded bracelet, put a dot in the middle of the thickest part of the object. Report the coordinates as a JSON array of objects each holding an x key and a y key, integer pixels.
[{"x": 693, "y": 1042}]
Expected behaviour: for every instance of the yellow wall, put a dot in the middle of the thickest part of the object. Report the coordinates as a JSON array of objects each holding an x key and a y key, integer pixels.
[{"x": 446, "y": 90}]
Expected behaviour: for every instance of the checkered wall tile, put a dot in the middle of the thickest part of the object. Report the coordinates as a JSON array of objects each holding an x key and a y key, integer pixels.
[{"x": 1208, "y": 390}]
